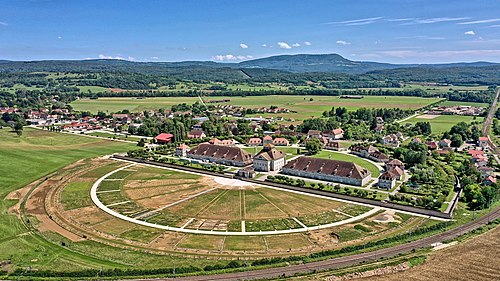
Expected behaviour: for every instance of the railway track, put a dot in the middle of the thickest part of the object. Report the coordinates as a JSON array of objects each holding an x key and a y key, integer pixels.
[{"x": 343, "y": 261}]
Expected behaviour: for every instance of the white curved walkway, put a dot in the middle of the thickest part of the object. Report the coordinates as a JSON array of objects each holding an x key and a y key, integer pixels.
[{"x": 99, "y": 204}]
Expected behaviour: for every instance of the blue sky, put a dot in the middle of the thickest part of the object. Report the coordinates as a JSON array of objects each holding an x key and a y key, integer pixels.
[{"x": 397, "y": 31}]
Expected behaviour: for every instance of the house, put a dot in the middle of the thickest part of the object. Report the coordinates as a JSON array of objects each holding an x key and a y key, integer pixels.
[
  {"x": 387, "y": 180},
  {"x": 490, "y": 180},
  {"x": 431, "y": 145},
  {"x": 254, "y": 141},
  {"x": 486, "y": 171},
  {"x": 394, "y": 163},
  {"x": 314, "y": 134},
  {"x": 328, "y": 170},
  {"x": 416, "y": 140},
  {"x": 334, "y": 134},
  {"x": 269, "y": 159},
  {"x": 391, "y": 140},
  {"x": 164, "y": 138},
  {"x": 226, "y": 155},
  {"x": 334, "y": 145},
  {"x": 369, "y": 152},
  {"x": 397, "y": 171},
  {"x": 247, "y": 172},
  {"x": 221, "y": 142},
  {"x": 267, "y": 140},
  {"x": 196, "y": 134},
  {"x": 380, "y": 120},
  {"x": 483, "y": 141},
  {"x": 379, "y": 128},
  {"x": 182, "y": 150},
  {"x": 444, "y": 143},
  {"x": 122, "y": 118},
  {"x": 281, "y": 142}
]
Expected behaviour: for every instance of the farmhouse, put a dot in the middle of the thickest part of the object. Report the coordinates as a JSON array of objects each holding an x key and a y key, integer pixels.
[
  {"x": 444, "y": 143},
  {"x": 267, "y": 140},
  {"x": 269, "y": 159},
  {"x": 329, "y": 170},
  {"x": 164, "y": 138},
  {"x": 395, "y": 163},
  {"x": 334, "y": 134},
  {"x": 226, "y": 155}
]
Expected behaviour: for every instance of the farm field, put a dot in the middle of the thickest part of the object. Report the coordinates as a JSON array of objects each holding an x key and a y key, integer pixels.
[
  {"x": 304, "y": 107},
  {"x": 442, "y": 123},
  {"x": 454, "y": 103}
]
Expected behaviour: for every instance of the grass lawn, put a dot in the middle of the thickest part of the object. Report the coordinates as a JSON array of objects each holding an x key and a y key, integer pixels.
[
  {"x": 444, "y": 123},
  {"x": 113, "y": 136},
  {"x": 349, "y": 158},
  {"x": 304, "y": 107}
]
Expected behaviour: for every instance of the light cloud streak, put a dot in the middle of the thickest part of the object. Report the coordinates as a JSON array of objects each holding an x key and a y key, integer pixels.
[{"x": 480, "y": 21}]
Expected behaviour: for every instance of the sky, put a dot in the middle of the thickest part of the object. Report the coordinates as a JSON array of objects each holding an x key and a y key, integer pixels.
[{"x": 394, "y": 31}]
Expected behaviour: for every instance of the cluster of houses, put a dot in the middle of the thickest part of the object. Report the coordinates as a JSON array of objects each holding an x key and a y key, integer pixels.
[
  {"x": 369, "y": 152},
  {"x": 393, "y": 140},
  {"x": 394, "y": 171},
  {"x": 457, "y": 110},
  {"x": 480, "y": 161}
]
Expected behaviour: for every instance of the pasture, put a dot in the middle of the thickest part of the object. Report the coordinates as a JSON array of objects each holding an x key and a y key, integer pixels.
[
  {"x": 304, "y": 106},
  {"x": 443, "y": 123}
]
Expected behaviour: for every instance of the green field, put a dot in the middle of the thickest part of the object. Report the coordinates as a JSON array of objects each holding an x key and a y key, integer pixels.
[
  {"x": 454, "y": 103},
  {"x": 349, "y": 158},
  {"x": 25, "y": 159},
  {"x": 304, "y": 107},
  {"x": 444, "y": 123}
]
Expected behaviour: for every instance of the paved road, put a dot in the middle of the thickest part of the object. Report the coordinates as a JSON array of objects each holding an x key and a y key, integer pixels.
[
  {"x": 491, "y": 113},
  {"x": 343, "y": 261}
]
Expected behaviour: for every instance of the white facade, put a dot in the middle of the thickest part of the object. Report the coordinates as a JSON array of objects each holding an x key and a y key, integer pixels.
[
  {"x": 332, "y": 178},
  {"x": 262, "y": 164}
]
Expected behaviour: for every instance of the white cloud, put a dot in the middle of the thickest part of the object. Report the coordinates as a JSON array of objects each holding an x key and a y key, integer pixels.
[
  {"x": 296, "y": 45},
  {"x": 284, "y": 45},
  {"x": 448, "y": 54},
  {"x": 230, "y": 58},
  {"x": 264, "y": 45},
  {"x": 155, "y": 58},
  {"x": 342, "y": 42},
  {"x": 470, "y": 32},
  {"x": 243, "y": 46},
  {"x": 480, "y": 21},
  {"x": 59, "y": 37},
  {"x": 436, "y": 20},
  {"x": 357, "y": 21},
  {"x": 104, "y": 57},
  {"x": 307, "y": 43}
]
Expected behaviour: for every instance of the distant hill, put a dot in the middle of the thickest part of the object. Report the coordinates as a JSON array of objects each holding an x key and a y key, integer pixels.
[{"x": 337, "y": 63}]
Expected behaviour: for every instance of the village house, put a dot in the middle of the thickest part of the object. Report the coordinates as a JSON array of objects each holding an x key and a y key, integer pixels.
[
  {"x": 196, "y": 134},
  {"x": 182, "y": 150},
  {"x": 226, "y": 155},
  {"x": 444, "y": 143},
  {"x": 269, "y": 159},
  {"x": 369, "y": 152},
  {"x": 335, "y": 134},
  {"x": 222, "y": 142},
  {"x": 267, "y": 140},
  {"x": 431, "y": 145},
  {"x": 391, "y": 140},
  {"x": 164, "y": 138},
  {"x": 281, "y": 142},
  {"x": 483, "y": 141},
  {"x": 254, "y": 142},
  {"x": 394, "y": 163},
  {"x": 314, "y": 134},
  {"x": 335, "y": 145},
  {"x": 328, "y": 170},
  {"x": 379, "y": 128}
]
